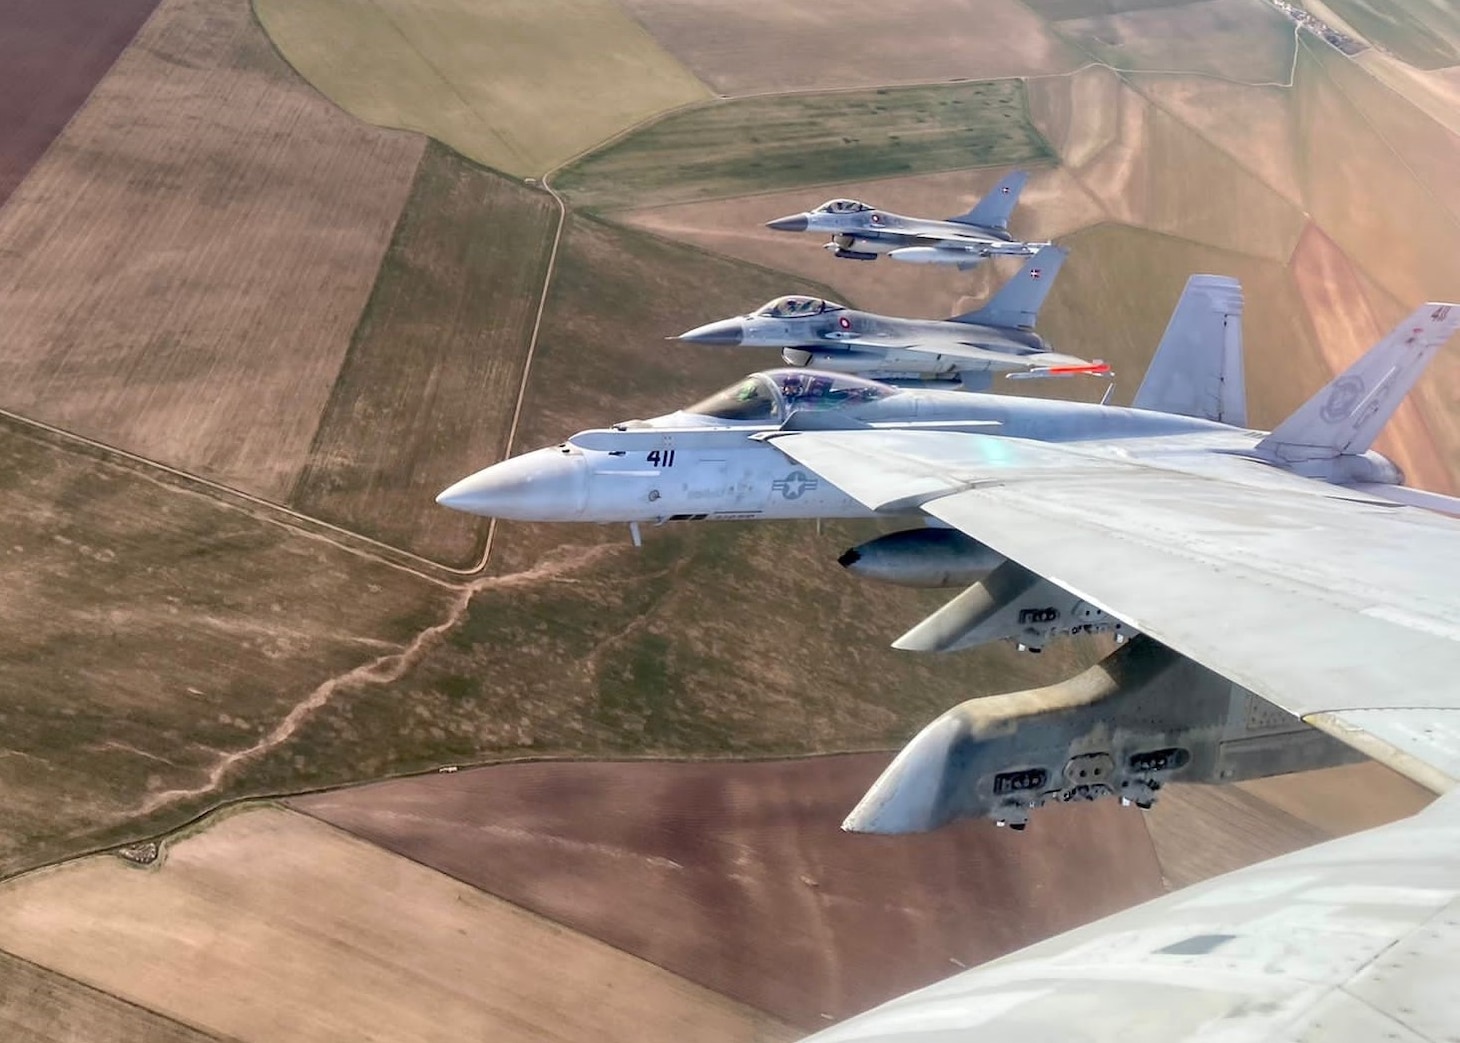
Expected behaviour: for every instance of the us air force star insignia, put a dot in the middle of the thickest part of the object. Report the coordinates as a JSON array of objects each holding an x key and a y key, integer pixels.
[
  {"x": 794, "y": 485},
  {"x": 1342, "y": 399}
]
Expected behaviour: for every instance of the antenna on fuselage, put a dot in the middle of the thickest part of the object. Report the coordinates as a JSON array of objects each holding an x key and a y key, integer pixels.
[{"x": 1105, "y": 398}]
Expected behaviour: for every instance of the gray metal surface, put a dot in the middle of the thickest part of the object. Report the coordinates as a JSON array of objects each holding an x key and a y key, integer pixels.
[{"x": 1356, "y": 939}]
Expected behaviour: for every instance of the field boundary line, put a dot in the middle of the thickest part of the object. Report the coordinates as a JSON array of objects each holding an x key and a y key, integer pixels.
[{"x": 238, "y": 499}]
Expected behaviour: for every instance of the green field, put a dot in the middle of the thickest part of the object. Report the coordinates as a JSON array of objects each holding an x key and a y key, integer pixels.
[
  {"x": 761, "y": 144},
  {"x": 1057, "y": 10},
  {"x": 147, "y": 631},
  {"x": 520, "y": 85},
  {"x": 1423, "y": 33},
  {"x": 427, "y": 390}
]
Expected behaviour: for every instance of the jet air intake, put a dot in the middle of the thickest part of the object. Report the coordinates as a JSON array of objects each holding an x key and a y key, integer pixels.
[{"x": 925, "y": 558}]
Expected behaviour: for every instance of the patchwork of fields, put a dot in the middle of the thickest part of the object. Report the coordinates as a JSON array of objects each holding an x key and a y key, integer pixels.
[
  {"x": 762, "y": 144},
  {"x": 428, "y": 388},
  {"x": 214, "y": 266}
]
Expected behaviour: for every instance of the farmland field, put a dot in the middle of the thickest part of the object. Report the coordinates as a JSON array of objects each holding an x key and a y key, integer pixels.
[
  {"x": 1236, "y": 39},
  {"x": 427, "y": 390},
  {"x": 763, "y": 144},
  {"x": 1422, "y": 33},
  {"x": 740, "y": 879},
  {"x": 346, "y": 942},
  {"x": 762, "y": 46},
  {"x": 519, "y": 85},
  {"x": 41, "y": 1006},
  {"x": 148, "y": 631},
  {"x": 181, "y": 273},
  {"x": 52, "y": 52}
]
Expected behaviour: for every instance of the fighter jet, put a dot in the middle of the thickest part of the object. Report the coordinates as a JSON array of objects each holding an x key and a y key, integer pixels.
[
  {"x": 1178, "y": 470},
  {"x": 964, "y": 351},
  {"x": 864, "y": 233}
]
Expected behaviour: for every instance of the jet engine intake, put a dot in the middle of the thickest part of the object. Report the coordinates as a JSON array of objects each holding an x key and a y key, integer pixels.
[
  {"x": 1141, "y": 718},
  {"x": 927, "y": 558}
]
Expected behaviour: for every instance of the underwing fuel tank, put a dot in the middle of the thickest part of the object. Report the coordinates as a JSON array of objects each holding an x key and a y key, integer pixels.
[
  {"x": 926, "y": 558},
  {"x": 1142, "y": 717}
]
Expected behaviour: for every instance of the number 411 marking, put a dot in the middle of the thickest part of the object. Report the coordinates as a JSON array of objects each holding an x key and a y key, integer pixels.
[{"x": 661, "y": 457}]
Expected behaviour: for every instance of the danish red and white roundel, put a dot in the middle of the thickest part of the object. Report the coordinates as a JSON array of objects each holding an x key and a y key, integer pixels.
[{"x": 844, "y": 322}]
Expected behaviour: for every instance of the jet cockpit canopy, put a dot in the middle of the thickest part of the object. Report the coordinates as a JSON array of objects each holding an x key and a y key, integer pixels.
[
  {"x": 841, "y": 206},
  {"x": 796, "y": 307},
  {"x": 772, "y": 396}
]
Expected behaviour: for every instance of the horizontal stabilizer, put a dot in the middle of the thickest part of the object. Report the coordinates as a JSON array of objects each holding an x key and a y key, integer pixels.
[
  {"x": 993, "y": 210},
  {"x": 1346, "y": 416},
  {"x": 1197, "y": 368},
  {"x": 1017, "y": 304}
]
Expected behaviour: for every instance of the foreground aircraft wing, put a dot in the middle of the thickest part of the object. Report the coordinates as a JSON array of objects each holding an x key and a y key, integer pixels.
[
  {"x": 1342, "y": 609},
  {"x": 1352, "y": 941}
]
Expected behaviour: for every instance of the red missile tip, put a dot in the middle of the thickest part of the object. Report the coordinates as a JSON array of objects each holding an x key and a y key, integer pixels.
[{"x": 1094, "y": 368}]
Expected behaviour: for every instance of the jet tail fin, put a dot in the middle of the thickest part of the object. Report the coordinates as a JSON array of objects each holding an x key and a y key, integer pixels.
[
  {"x": 993, "y": 210},
  {"x": 1347, "y": 415},
  {"x": 1197, "y": 368},
  {"x": 1017, "y": 304}
]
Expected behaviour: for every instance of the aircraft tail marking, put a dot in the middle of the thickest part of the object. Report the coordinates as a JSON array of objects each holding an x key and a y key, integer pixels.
[
  {"x": 1347, "y": 415},
  {"x": 993, "y": 210},
  {"x": 1017, "y": 304},
  {"x": 1197, "y": 368}
]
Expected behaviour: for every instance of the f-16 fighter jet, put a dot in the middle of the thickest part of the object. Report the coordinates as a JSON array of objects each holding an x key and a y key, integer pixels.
[
  {"x": 966, "y": 350},
  {"x": 864, "y": 233}
]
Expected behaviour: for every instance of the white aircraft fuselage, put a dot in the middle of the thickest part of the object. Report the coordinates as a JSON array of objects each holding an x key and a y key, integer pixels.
[{"x": 693, "y": 465}]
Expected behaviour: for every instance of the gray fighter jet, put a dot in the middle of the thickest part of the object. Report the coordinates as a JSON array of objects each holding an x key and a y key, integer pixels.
[
  {"x": 966, "y": 350},
  {"x": 1286, "y": 587},
  {"x": 863, "y": 233}
]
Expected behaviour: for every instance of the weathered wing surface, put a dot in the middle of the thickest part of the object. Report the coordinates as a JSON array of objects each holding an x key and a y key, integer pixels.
[
  {"x": 1354, "y": 940},
  {"x": 1336, "y": 607}
]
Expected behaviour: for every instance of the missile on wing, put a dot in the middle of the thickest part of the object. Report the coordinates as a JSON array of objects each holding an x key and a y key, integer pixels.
[
  {"x": 962, "y": 256},
  {"x": 925, "y": 558}
]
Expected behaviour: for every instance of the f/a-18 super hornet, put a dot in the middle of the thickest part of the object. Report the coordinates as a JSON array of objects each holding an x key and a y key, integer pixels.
[
  {"x": 964, "y": 351},
  {"x": 863, "y": 233},
  {"x": 1291, "y": 602}
]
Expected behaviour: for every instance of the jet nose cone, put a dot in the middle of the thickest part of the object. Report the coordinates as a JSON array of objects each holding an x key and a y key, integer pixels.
[
  {"x": 727, "y": 331},
  {"x": 793, "y": 223},
  {"x": 548, "y": 485}
]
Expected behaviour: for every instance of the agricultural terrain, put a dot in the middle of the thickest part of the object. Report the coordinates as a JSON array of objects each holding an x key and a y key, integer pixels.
[
  {"x": 518, "y": 85},
  {"x": 51, "y": 56},
  {"x": 268, "y": 328},
  {"x": 182, "y": 271},
  {"x": 430, "y": 383},
  {"x": 757, "y": 144}
]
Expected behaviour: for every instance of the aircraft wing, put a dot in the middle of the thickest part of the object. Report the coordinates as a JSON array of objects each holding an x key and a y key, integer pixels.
[
  {"x": 1354, "y": 940},
  {"x": 1336, "y": 606}
]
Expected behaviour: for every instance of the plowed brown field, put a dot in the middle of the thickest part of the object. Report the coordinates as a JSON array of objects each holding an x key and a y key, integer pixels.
[
  {"x": 736, "y": 876},
  {"x": 52, "y": 52},
  {"x": 181, "y": 273}
]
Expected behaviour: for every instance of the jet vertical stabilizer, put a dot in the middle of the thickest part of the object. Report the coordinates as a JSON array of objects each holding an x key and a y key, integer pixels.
[
  {"x": 993, "y": 210},
  {"x": 1017, "y": 304},
  {"x": 1197, "y": 368},
  {"x": 1345, "y": 417}
]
